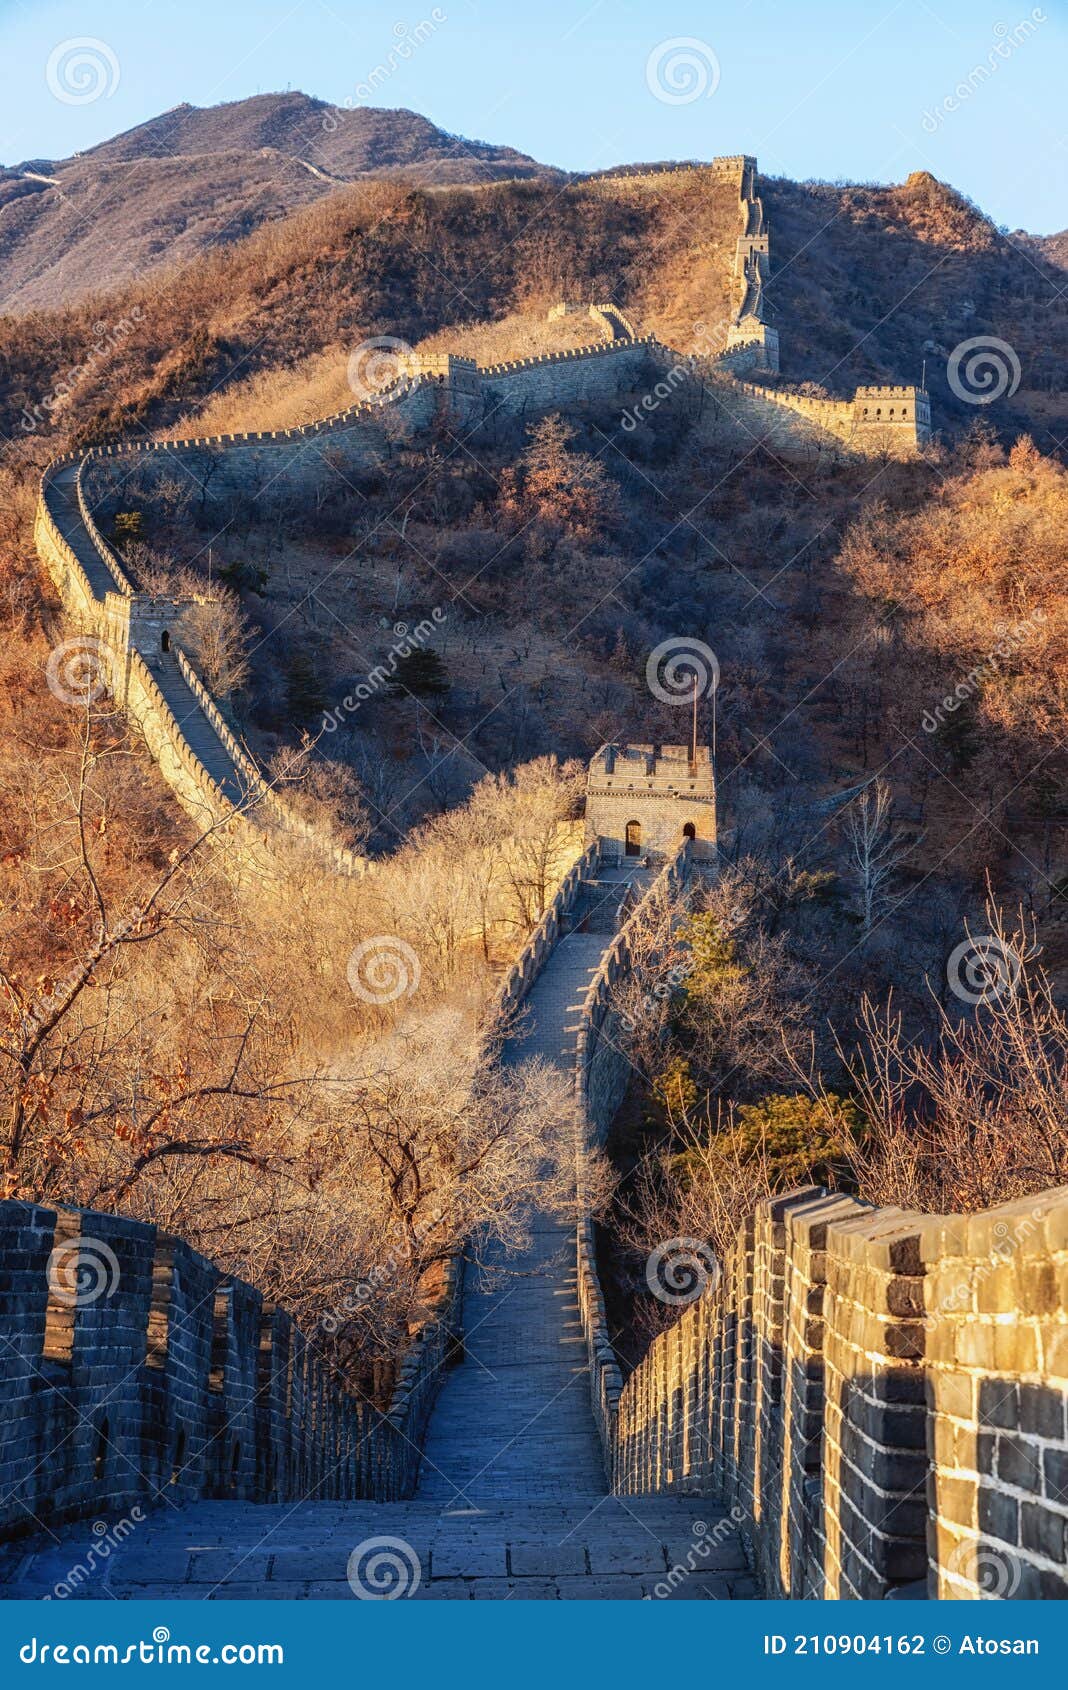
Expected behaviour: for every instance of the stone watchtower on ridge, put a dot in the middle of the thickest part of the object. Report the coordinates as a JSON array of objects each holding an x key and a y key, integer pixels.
[{"x": 642, "y": 800}]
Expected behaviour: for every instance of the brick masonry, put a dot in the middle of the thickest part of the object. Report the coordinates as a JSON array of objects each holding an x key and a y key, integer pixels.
[
  {"x": 132, "y": 1370},
  {"x": 883, "y": 1393}
]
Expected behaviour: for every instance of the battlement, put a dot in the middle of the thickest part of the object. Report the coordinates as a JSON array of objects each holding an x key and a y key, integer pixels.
[
  {"x": 905, "y": 392},
  {"x": 877, "y": 419},
  {"x": 173, "y": 1380},
  {"x": 663, "y": 766},
  {"x": 643, "y": 800}
]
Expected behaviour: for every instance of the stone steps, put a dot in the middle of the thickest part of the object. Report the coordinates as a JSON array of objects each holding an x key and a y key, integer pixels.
[
  {"x": 512, "y": 1497},
  {"x": 590, "y": 1547}
]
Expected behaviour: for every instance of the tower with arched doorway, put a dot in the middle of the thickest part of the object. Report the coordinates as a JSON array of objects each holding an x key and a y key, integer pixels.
[{"x": 643, "y": 800}]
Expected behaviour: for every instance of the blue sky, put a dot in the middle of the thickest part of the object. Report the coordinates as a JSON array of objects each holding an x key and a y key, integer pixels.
[{"x": 970, "y": 90}]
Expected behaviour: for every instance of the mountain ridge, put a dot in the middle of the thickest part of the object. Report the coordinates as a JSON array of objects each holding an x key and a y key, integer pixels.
[{"x": 199, "y": 176}]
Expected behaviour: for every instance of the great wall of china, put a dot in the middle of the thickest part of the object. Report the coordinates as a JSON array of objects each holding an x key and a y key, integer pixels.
[
  {"x": 878, "y": 1398},
  {"x": 865, "y": 1402},
  {"x": 213, "y": 775}
]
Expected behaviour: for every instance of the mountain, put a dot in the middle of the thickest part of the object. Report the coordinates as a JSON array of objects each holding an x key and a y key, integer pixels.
[
  {"x": 867, "y": 284},
  {"x": 195, "y": 178},
  {"x": 1052, "y": 247}
]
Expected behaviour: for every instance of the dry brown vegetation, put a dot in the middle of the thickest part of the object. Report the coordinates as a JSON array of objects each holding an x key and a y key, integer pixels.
[{"x": 210, "y": 1068}]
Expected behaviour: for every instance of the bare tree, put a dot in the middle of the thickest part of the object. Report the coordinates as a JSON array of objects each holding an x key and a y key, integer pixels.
[{"x": 876, "y": 851}]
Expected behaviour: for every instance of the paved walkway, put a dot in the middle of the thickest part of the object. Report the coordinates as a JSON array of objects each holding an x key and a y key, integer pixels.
[
  {"x": 514, "y": 1420},
  {"x": 198, "y": 731},
  {"x": 512, "y": 1497}
]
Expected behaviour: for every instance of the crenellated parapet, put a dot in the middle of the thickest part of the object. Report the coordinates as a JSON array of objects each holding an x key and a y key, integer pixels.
[
  {"x": 102, "y": 601},
  {"x": 894, "y": 420},
  {"x": 136, "y": 1372},
  {"x": 643, "y": 800}
]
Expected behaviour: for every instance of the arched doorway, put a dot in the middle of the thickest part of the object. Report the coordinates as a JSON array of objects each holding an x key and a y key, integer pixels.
[
  {"x": 165, "y": 640},
  {"x": 634, "y": 839},
  {"x": 689, "y": 831}
]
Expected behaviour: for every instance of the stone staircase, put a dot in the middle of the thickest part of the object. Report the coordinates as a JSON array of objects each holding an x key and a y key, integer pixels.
[
  {"x": 512, "y": 1498},
  {"x": 597, "y": 906}
]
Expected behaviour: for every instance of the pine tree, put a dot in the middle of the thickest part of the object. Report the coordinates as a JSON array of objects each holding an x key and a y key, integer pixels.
[{"x": 421, "y": 673}]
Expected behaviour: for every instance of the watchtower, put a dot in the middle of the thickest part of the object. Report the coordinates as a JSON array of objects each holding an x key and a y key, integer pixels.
[{"x": 643, "y": 800}]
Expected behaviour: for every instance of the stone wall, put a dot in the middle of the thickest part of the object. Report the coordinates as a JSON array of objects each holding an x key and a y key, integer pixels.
[
  {"x": 883, "y": 1394},
  {"x": 602, "y": 1070},
  {"x": 264, "y": 468},
  {"x": 895, "y": 420},
  {"x": 660, "y": 788},
  {"x": 135, "y": 1371},
  {"x": 541, "y": 942},
  {"x": 582, "y": 375}
]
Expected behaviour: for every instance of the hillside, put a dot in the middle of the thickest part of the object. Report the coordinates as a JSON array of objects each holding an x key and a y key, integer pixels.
[
  {"x": 870, "y": 283},
  {"x": 880, "y": 283},
  {"x": 381, "y": 258},
  {"x": 422, "y": 625},
  {"x": 195, "y": 178}
]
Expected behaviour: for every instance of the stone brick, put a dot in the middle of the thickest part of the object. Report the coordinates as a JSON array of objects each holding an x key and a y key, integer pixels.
[
  {"x": 1044, "y": 1531},
  {"x": 999, "y": 1514}
]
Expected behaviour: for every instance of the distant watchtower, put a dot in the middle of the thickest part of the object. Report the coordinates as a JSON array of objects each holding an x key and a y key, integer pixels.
[{"x": 643, "y": 800}]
